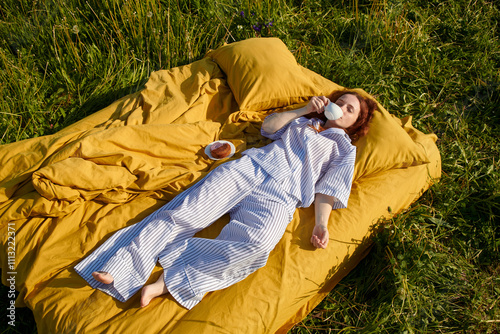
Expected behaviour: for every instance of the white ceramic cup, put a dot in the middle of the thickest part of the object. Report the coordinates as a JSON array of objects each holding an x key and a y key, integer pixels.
[{"x": 333, "y": 111}]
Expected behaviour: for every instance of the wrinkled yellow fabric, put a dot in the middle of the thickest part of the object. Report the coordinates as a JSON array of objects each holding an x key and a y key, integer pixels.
[{"x": 68, "y": 192}]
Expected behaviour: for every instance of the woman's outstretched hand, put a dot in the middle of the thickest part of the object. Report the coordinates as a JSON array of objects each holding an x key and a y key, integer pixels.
[
  {"x": 320, "y": 236},
  {"x": 323, "y": 208}
]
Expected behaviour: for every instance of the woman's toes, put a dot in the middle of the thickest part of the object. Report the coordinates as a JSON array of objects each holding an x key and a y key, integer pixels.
[{"x": 103, "y": 277}]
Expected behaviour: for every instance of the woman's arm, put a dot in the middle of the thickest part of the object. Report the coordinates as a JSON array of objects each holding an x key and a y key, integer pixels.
[
  {"x": 322, "y": 207},
  {"x": 277, "y": 121}
]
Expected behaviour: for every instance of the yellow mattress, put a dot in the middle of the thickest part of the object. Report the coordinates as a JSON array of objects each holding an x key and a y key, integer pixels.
[{"x": 67, "y": 193}]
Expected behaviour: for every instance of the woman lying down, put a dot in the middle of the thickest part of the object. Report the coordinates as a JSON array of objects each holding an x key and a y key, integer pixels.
[{"x": 310, "y": 160}]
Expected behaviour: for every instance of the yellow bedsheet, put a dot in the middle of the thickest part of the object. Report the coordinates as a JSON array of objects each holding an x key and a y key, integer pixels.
[{"x": 68, "y": 192}]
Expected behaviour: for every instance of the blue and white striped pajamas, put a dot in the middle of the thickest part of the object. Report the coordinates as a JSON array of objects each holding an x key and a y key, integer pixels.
[
  {"x": 260, "y": 198},
  {"x": 259, "y": 213}
]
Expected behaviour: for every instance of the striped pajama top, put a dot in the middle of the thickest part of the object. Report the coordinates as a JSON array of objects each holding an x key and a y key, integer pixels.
[{"x": 305, "y": 162}]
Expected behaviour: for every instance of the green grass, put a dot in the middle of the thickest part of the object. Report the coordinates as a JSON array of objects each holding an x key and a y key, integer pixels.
[{"x": 433, "y": 269}]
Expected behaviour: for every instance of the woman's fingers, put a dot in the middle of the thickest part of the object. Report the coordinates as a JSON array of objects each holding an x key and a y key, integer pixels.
[
  {"x": 314, "y": 104},
  {"x": 319, "y": 243},
  {"x": 319, "y": 237},
  {"x": 319, "y": 103},
  {"x": 324, "y": 99}
]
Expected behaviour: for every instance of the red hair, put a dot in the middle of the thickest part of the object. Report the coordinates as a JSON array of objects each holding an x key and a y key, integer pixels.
[{"x": 362, "y": 124}]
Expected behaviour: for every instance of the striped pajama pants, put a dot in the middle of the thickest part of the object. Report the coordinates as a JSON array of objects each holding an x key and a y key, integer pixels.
[{"x": 259, "y": 214}]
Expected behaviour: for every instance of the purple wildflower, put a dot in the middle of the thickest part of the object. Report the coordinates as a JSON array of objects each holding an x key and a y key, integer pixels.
[
  {"x": 242, "y": 14},
  {"x": 257, "y": 27},
  {"x": 269, "y": 24}
]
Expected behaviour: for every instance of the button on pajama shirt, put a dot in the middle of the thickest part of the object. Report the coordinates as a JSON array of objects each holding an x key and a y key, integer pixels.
[{"x": 260, "y": 191}]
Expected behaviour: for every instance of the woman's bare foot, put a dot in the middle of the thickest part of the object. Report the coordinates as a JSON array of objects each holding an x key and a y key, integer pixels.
[
  {"x": 103, "y": 277},
  {"x": 153, "y": 290}
]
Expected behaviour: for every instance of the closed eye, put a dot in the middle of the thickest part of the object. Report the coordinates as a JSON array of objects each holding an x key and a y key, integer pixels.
[{"x": 341, "y": 103}]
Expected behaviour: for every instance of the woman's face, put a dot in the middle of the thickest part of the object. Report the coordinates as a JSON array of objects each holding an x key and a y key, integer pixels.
[{"x": 350, "y": 106}]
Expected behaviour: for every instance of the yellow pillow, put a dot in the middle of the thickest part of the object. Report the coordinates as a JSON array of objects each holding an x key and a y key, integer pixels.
[{"x": 263, "y": 74}]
